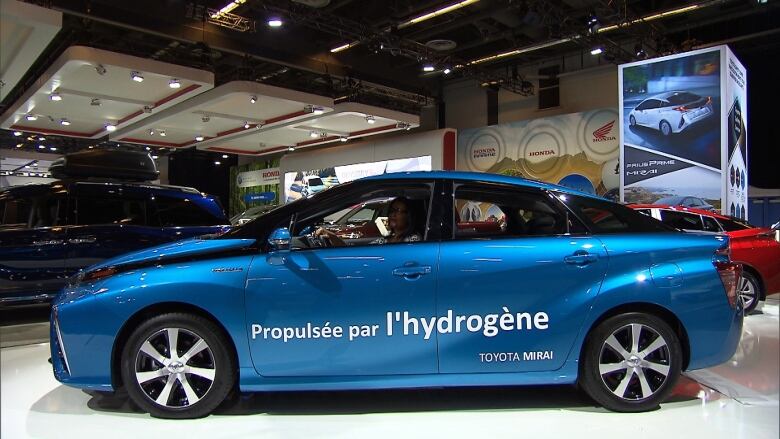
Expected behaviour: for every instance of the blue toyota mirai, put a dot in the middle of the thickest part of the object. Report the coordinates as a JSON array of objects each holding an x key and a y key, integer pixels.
[{"x": 544, "y": 285}]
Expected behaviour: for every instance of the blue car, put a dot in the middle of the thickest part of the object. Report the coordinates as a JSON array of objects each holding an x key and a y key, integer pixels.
[{"x": 560, "y": 287}]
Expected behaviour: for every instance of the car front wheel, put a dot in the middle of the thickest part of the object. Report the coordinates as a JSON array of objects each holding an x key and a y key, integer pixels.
[
  {"x": 749, "y": 291},
  {"x": 178, "y": 366},
  {"x": 631, "y": 362}
]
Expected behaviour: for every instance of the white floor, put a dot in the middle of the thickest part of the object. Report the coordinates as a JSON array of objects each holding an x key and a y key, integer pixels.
[{"x": 745, "y": 405}]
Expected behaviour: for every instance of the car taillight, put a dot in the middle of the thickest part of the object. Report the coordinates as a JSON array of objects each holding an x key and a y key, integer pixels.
[
  {"x": 728, "y": 271},
  {"x": 681, "y": 108}
]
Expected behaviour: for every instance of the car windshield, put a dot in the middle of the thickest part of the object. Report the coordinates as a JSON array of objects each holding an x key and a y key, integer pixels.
[{"x": 683, "y": 98}]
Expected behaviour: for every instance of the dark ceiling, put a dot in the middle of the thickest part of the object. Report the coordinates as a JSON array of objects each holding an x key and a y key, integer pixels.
[{"x": 385, "y": 68}]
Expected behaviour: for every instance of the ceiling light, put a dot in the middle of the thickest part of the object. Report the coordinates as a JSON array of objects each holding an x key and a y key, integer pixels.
[
  {"x": 291, "y": 149},
  {"x": 95, "y": 102},
  {"x": 41, "y": 146},
  {"x": 593, "y": 24},
  {"x": 596, "y": 51},
  {"x": 174, "y": 83},
  {"x": 344, "y": 47},
  {"x": 314, "y": 134},
  {"x": 147, "y": 109},
  {"x": 428, "y": 68},
  {"x": 446, "y": 71},
  {"x": 26, "y": 166},
  {"x": 318, "y": 110},
  {"x": 162, "y": 133},
  {"x": 275, "y": 22},
  {"x": 205, "y": 119},
  {"x": 155, "y": 157},
  {"x": 137, "y": 77},
  {"x": 55, "y": 96},
  {"x": 42, "y": 139},
  {"x": 17, "y": 133},
  {"x": 246, "y": 125},
  {"x": 199, "y": 138},
  {"x": 31, "y": 117},
  {"x": 224, "y": 156},
  {"x": 64, "y": 122},
  {"x": 344, "y": 138},
  {"x": 110, "y": 127},
  {"x": 253, "y": 99},
  {"x": 100, "y": 69},
  {"x": 53, "y": 148},
  {"x": 91, "y": 146},
  {"x": 370, "y": 119},
  {"x": 151, "y": 132},
  {"x": 19, "y": 145},
  {"x": 437, "y": 13},
  {"x": 217, "y": 162}
]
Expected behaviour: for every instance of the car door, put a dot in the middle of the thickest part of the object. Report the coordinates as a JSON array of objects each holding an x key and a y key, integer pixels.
[
  {"x": 516, "y": 293},
  {"x": 344, "y": 310},
  {"x": 32, "y": 243}
]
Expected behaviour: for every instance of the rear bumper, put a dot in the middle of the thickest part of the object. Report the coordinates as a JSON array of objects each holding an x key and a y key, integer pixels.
[{"x": 707, "y": 352}]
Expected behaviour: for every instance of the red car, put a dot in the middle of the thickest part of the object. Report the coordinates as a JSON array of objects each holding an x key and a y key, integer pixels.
[{"x": 755, "y": 248}]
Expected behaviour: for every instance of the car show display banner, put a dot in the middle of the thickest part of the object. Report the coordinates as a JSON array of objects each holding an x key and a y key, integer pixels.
[
  {"x": 254, "y": 184},
  {"x": 578, "y": 150},
  {"x": 681, "y": 124}
]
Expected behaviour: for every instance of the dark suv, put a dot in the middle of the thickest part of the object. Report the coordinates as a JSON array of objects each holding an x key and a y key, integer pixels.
[{"x": 50, "y": 231}]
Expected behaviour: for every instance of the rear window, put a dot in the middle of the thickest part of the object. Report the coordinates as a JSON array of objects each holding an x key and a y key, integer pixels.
[
  {"x": 607, "y": 217},
  {"x": 179, "y": 212},
  {"x": 683, "y": 98},
  {"x": 682, "y": 220},
  {"x": 730, "y": 225}
]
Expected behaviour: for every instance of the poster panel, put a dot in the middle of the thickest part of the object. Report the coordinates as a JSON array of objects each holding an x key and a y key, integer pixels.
[
  {"x": 302, "y": 184},
  {"x": 735, "y": 183},
  {"x": 251, "y": 179},
  {"x": 578, "y": 150},
  {"x": 670, "y": 130}
]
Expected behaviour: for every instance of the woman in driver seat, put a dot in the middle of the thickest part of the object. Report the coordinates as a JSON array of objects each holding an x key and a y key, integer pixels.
[{"x": 401, "y": 221}]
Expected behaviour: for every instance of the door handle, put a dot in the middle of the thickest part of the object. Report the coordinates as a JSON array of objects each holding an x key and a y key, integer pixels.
[
  {"x": 82, "y": 240},
  {"x": 47, "y": 242},
  {"x": 580, "y": 258},
  {"x": 412, "y": 273}
]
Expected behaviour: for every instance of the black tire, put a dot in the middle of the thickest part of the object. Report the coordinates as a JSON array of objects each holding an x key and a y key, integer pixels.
[
  {"x": 632, "y": 121},
  {"x": 215, "y": 361},
  {"x": 665, "y": 132},
  {"x": 749, "y": 291},
  {"x": 597, "y": 352}
]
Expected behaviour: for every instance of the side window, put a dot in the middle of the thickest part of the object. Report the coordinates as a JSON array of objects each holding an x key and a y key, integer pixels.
[
  {"x": 645, "y": 212},
  {"x": 682, "y": 220},
  {"x": 733, "y": 225},
  {"x": 16, "y": 211},
  {"x": 483, "y": 211},
  {"x": 606, "y": 217},
  {"x": 33, "y": 210},
  {"x": 710, "y": 224},
  {"x": 110, "y": 210},
  {"x": 367, "y": 220},
  {"x": 180, "y": 212}
]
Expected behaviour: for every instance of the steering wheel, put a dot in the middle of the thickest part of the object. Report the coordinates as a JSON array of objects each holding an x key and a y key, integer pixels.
[{"x": 314, "y": 241}]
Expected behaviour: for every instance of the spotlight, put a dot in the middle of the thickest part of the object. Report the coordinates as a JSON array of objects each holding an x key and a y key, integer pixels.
[
  {"x": 314, "y": 134},
  {"x": 370, "y": 120},
  {"x": 147, "y": 109},
  {"x": 224, "y": 156},
  {"x": 148, "y": 149},
  {"x": 402, "y": 125},
  {"x": 17, "y": 133},
  {"x": 318, "y": 110},
  {"x": 53, "y": 148},
  {"x": 95, "y": 102},
  {"x": 174, "y": 83},
  {"x": 640, "y": 51},
  {"x": 344, "y": 138},
  {"x": 446, "y": 70},
  {"x": 162, "y": 133},
  {"x": 55, "y": 96},
  {"x": 41, "y": 146},
  {"x": 275, "y": 22},
  {"x": 253, "y": 99},
  {"x": 217, "y": 163},
  {"x": 429, "y": 68},
  {"x": 100, "y": 69},
  {"x": 205, "y": 119},
  {"x": 246, "y": 125},
  {"x": 137, "y": 77},
  {"x": 19, "y": 145},
  {"x": 593, "y": 24},
  {"x": 291, "y": 149},
  {"x": 151, "y": 132},
  {"x": 596, "y": 51},
  {"x": 42, "y": 139},
  {"x": 155, "y": 157},
  {"x": 31, "y": 117},
  {"x": 110, "y": 127},
  {"x": 91, "y": 147},
  {"x": 64, "y": 122},
  {"x": 199, "y": 138}
]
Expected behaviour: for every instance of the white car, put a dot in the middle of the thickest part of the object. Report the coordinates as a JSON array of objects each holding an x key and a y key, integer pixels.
[{"x": 671, "y": 112}]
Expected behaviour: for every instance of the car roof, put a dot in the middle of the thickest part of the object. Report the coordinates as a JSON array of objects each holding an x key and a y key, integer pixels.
[
  {"x": 480, "y": 177},
  {"x": 679, "y": 208}
]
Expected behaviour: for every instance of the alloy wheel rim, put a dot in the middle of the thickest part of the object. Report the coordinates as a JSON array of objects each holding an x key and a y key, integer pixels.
[
  {"x": 175, "y": 368},
  {"x": 666, "y": 129},
  {"x": 634, "y": 362},
  {"x": 747, "y": 292}
]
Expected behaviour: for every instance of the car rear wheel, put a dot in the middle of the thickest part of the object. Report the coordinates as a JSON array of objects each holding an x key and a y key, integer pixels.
[
  {"x": 749, "y": 291},
  {"x": 178, "y": 366},
  {"x": 631, "y": 362},
  {"x": 665, "y": 127},
  {"x": 632, "y": 121}
]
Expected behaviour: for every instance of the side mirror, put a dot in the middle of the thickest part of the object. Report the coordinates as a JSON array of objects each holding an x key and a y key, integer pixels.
[{"x": 280, "y": 239}]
